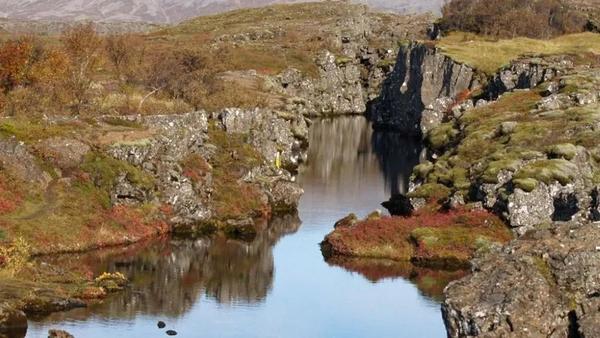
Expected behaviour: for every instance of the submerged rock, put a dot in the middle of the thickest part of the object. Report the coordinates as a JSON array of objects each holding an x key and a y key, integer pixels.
[{"x": 59, "y": 334}]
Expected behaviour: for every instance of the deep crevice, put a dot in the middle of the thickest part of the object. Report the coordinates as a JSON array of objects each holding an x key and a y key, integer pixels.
[{"x": 574, "y": 325}]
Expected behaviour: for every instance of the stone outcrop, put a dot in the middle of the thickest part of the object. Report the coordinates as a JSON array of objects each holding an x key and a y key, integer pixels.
[
  {"x": 421, "y": 88},
  {"x": 527, "y": 73},
  {"x": 349, "y": 74},
  {"x": 18, "y": 161},
  {"x": 177, "y": 137},
  {"x": 545, "y": 285}
]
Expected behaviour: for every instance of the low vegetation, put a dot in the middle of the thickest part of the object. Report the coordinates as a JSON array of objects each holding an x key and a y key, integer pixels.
[
  {"x": 511, "y": 18},
  {"x": 431, "y": 237},
  {"x": 541, "y": 145}
]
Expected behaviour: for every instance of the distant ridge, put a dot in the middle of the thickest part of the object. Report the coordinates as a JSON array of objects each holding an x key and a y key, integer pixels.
[{"x": 164, "y": 11}]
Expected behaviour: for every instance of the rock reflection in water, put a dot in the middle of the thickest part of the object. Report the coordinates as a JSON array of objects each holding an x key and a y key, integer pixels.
[
  {"x": 397, "y": 154},
  {"x": 169, "y": 276},
  {"x": 346, "y": 152},
  {"x": 430, "y": 282}
]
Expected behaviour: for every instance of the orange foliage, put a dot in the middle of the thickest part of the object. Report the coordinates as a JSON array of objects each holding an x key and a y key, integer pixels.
[
  {"x": 10, "y": 198},
  {"x": 15, "y": 59}
]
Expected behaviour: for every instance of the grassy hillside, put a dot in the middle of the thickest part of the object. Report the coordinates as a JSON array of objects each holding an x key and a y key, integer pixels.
[{"x": 185, "y": 67}]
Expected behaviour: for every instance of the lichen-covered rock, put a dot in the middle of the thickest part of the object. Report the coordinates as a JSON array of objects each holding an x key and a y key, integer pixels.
[
  {"x": 528, "y": 209},
  {"x": 18, "y": 161},
  {"x": 274, "y": 134},
  {"x": 62, "y": 152},
  {"x": 338, "y": 89},
  {"x": 174, "y": 137},
  {"x": 527, "y": 73},
  {"x": 346, "y": 81},
  {"x": 544, "y": 285}
]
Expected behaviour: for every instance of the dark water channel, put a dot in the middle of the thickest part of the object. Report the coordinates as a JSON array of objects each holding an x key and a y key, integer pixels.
[{"x": 279, "y": 285}]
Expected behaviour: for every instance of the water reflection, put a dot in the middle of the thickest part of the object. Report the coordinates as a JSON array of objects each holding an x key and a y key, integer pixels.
[
  {"x": 430, "y": 282},
  {"x": 275, "y": 286},
  {"x": 345, "y": 149},
  {"x": 397, "y": 155},
  {"x": 225, "y": 270}
]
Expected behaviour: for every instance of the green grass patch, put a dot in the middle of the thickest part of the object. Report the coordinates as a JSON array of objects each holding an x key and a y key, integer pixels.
[{"x": 32, "y": 130}]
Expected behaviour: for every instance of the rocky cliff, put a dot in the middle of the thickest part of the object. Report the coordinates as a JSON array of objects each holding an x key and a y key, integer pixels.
[
  {"x": 423, "y": 85},
  {"x": 528, "y": 155},
  {"x": 360, "y": 52}
]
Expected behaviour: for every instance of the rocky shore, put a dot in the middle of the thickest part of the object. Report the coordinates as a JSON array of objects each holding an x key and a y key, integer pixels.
[
  {"x": 520, "y": 144},
  {"x": 119, "y": 180}
]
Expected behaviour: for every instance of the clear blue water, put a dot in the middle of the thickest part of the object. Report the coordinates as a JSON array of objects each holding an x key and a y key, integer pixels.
[{"x": 277, "y": 286}]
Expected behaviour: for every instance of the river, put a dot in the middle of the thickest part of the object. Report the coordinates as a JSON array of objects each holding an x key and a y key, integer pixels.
[{"x": 279, "y": 285}]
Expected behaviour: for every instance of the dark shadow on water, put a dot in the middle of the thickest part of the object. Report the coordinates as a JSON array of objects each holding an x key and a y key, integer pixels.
[
  {"x": 169, "y": 276},
  {"x": 397, "y": 155}
]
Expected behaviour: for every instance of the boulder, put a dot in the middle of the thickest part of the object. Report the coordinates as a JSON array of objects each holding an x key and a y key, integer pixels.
[
  {"x": 399, "y": 205},
  {"x": 543, "y": 285},
  {"x": 63, "y": 152},
  {"x": 18, "y": 161},
  {"x": 12, "y": 319},
  {"x": 528, "y": 209}
]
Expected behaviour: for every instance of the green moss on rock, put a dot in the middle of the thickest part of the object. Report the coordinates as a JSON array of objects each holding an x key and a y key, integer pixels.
[
  {"x": 526, "y": 184},
  {"x": 566, "y": 150},
  {"x": 431, "y": 191},
  {"x": 440, "y": 137},
  {"x": 548, "y": 171},
  {"x": 105, "y": 170},
  {"x": 422, "y": 170}
]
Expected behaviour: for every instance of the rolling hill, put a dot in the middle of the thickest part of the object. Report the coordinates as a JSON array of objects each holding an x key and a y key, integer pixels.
[{"x": 163, "y": 11}]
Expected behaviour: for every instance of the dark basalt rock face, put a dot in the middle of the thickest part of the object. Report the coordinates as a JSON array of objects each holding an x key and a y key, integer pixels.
[
  {"x": 399, "y": 205},
  {"x": 420, "y": 89}
]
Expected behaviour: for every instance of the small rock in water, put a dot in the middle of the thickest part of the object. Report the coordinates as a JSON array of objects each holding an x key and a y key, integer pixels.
[
  {"x": 59, "y": 334},
  {"x": 161, "y": 324},
  {"x": 171, "y": 333}
]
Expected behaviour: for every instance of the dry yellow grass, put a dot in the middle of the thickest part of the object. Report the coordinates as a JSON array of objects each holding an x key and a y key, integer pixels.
[{"x": 489, "y": 55}]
